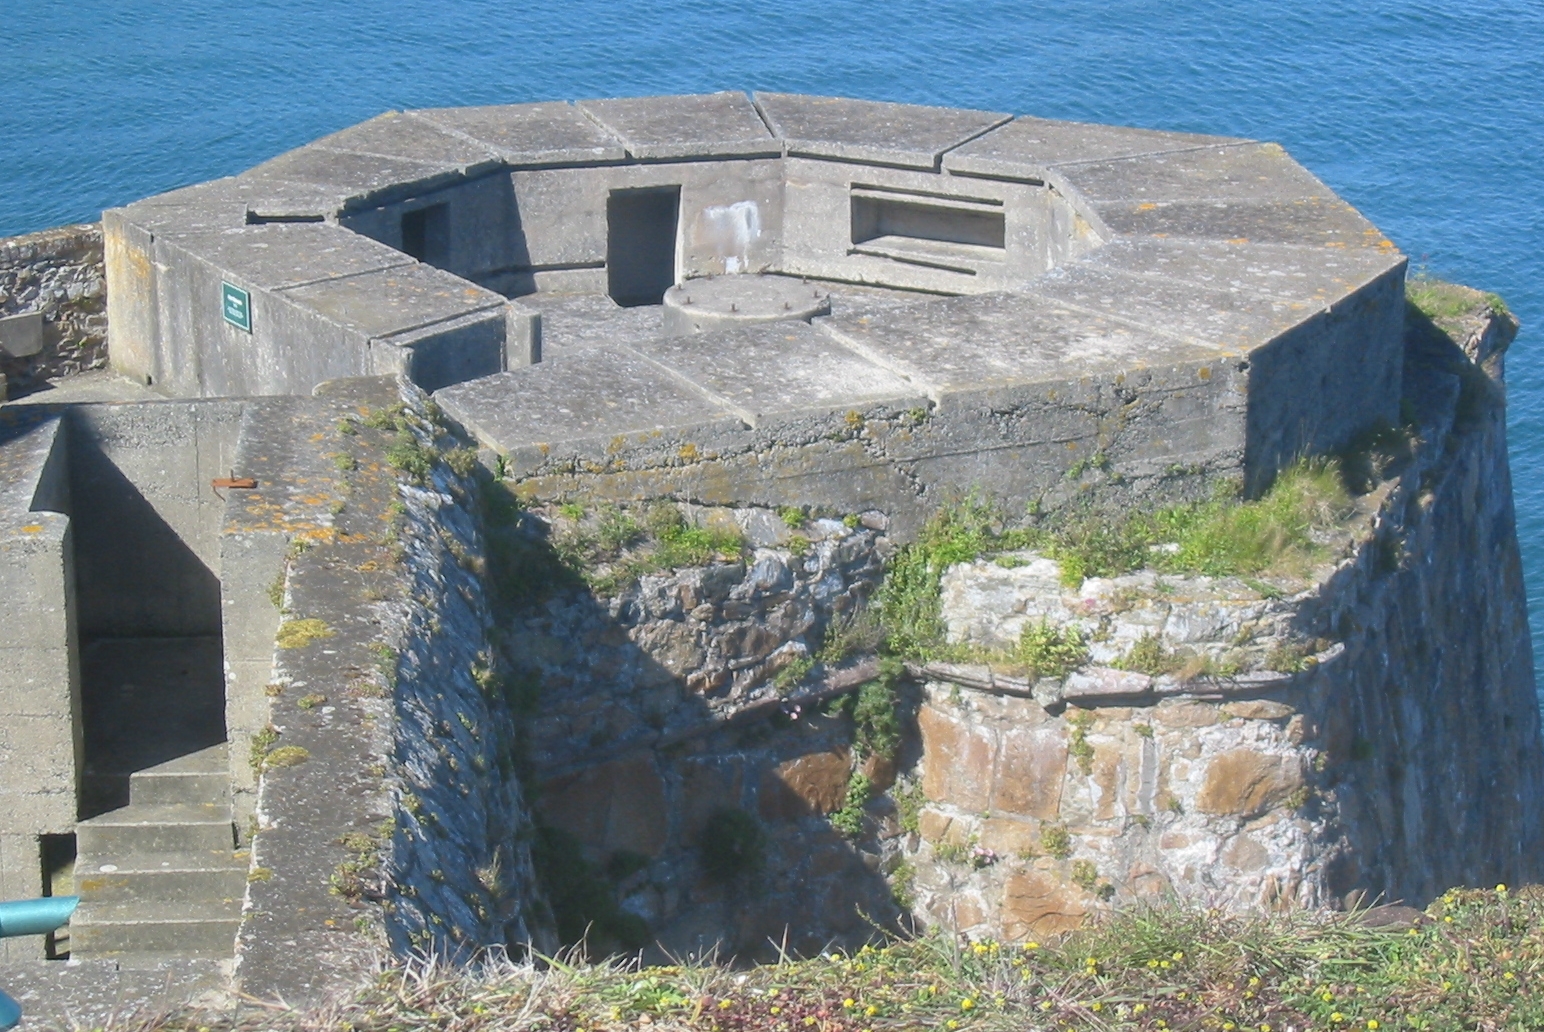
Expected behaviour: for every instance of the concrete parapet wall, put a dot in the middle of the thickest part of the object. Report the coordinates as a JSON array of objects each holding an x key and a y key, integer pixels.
[{"x": 40, "y": 726}]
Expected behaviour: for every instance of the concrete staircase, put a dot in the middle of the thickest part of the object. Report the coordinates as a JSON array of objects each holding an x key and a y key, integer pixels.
[{"x": 159, "y": 877}]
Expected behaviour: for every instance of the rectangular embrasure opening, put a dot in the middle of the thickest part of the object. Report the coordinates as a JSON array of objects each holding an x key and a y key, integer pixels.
[{"x": 902, "y": 219}]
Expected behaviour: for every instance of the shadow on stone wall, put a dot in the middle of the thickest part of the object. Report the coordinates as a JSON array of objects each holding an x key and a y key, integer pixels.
[{"x": 683, "y": 814}]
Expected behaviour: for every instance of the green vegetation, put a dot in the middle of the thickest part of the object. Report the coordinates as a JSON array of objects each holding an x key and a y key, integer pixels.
[
  {"x": 1047, "y": 651},
  {"x": 792, "y": 516},
  {"x": 1056, "y": 841},
  {"x": 605, "y": 549},
  {"x": 406, "y": 455},
  {"x": 1447, "y": 303},
  {"x": 1222, "y": 536},
  {"x": 731, "y": 845},
  {"x": 286, "y": 756},
  {"x": 583, "y": 899},
  {"x": 875, "y": 705},
  {"x": 297, "y": 634},
  {"x": 849, "y": 819},
  {"x": 1474, "y": 963}
]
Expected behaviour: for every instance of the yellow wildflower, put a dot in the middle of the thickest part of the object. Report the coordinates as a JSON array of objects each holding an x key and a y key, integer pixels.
[{"x": 967, "y": 1004}]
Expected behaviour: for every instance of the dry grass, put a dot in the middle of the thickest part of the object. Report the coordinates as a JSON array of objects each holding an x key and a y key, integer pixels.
[{"x": 1476, "y": 961}]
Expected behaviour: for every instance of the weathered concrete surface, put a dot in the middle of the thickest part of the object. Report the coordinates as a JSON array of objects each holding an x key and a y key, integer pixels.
[
  {"x": 716, "y": 124},
  {"x": 1025, "y": 147},
  {"x": 724, "y": 302},
  {"x": 399, "y": 821},
  {"x": 871, "y": 131}
]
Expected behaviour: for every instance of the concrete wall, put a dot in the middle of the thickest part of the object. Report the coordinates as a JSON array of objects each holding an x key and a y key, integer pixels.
[
  {"x": 40, "y": 728},
  {"x": 821, "y": 234},
  {"x": 147, "y": 522}
]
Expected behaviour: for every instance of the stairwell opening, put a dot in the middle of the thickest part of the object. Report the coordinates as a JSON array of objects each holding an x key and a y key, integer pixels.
[{"x": 145, "y": 534}]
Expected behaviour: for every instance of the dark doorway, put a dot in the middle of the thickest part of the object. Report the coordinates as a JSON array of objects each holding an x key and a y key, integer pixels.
[
  {"x": 426, "y": 233},
  {"x": 152, "y": 671},
  {"x": 641, "y": 244}
]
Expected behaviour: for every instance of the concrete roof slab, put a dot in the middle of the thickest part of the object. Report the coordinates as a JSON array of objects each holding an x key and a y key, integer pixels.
[
  {"x": 1233, "y": 320},
  {"x": 607, "y": 395},
  {"x": 877, "y": 132},
  {"x": 525, "y": 135},
  {"x": 691, "y": 126},
  {"x": 1314, "y": 274},
  {"x": 354, "y": 176},
  {"x": 1311, "y": 221},
  {"x": 1001, "y": 340},
  {"x": 1246, "y": 172},
  {"x": 288, "y": 254},
  {"x": 390, "y": 301},
  {"x": 396, "y": 135},
  {"x": 572, "y": 324},
  {"x": 778, "y": 369},
  {"x": 1026, "y": 146}
]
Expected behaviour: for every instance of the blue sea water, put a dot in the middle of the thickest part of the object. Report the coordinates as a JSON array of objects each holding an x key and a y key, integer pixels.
[{"x": 1429, "y": 117}]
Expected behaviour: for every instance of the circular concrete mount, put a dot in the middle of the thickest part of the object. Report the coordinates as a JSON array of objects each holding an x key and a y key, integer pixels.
[{"x": 724, "y": 302}]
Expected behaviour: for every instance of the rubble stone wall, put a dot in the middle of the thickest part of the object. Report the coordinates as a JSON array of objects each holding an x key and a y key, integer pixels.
[{"x": 59, "y": 273}]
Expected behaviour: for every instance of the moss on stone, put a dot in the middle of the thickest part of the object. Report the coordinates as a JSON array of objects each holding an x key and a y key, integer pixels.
[{"x": 297, "y": 634}]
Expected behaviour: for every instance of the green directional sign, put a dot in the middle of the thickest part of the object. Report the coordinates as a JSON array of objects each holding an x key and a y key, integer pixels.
[{"x": 236, "y": 306}]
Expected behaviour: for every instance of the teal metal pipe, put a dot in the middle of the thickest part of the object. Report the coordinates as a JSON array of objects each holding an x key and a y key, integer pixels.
[
  {"x": 36, "y": 916},
  {"x": 30, "y": 917}
]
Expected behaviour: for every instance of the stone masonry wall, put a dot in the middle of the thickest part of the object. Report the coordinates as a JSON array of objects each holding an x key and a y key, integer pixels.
[
  {"x": 1401, "y": 757},
  {"x": 59, "y": 273},
  {"x": 459, "y": 872},
  {"x": 1362, "y": 731}
]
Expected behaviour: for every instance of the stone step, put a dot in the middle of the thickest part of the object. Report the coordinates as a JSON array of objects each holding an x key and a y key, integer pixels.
[
  {"x": 214, "y": 876},
  {"x": 200, "y": 777},
  {"x": 184, "y": 929},
  {"x": 155, "y": 828}
]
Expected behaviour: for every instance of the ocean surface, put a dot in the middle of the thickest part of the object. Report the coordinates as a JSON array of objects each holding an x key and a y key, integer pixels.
[{"x": 1429, "y": 117}]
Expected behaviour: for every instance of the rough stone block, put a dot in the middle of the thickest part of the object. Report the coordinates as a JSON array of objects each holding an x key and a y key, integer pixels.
[
  {"x": 1031, "y": 769},
  {"x": 1026, "y": 146},
  {"x": 812, "y": 784},
  {"x": 1037, "y": 905},
  {"x": 701, "y": 125},
  {"x": 1245, "y": 783},
  {"x": 871, "y": 131},
  {"x": 960, "y": 760},
  {"x": 617, "y": 805},
  {"x": 528, "y": 135},
  {"x": 21, "y": 336}
]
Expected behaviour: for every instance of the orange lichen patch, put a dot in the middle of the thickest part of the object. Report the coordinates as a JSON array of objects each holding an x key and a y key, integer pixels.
[
  {"x": 32, "y": 528},
  {"x": 616, "y": 444},
  {"x": 1204, "y": 373},
  {"x": 1146, "y": 206},
  {"x": 1238, "y": 240},
  {"x": 688, "y": 452}
]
